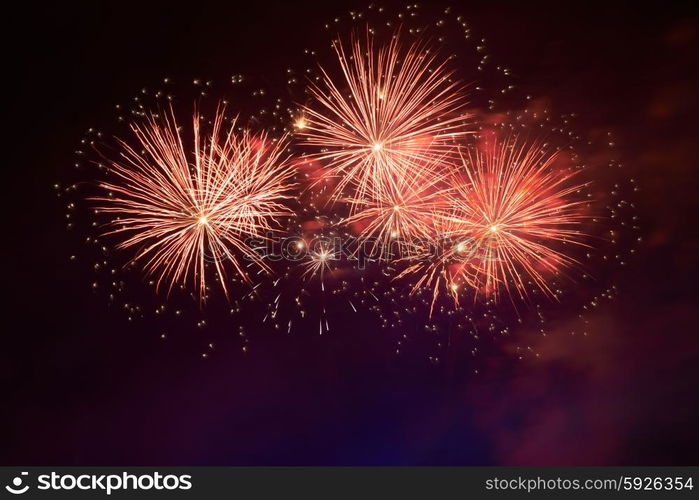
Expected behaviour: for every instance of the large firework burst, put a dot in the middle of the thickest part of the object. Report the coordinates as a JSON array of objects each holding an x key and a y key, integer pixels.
[
  {"x": 513, "y": 213},
  {"x": 181, "y": 206},
  {"x": 393, "y": 110}
]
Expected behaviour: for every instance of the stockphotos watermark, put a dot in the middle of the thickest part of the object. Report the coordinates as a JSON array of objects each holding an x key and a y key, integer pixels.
[
  {"x": 273, "y": 248},
  {"x": 106, "y": 483}
]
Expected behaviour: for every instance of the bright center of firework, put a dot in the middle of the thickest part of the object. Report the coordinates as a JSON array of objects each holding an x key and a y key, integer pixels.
[
  {"x": 203, "y": 221},
  {"x": 494, "y": 228},
  {"x": 460, "y": 247},
  {"x": 396, "y": 207},
  {"x": 454, "y": 287},
  {"x": 300, "y": 123},
  {"x": 377, "y": 146},
  {"x": 323, "y": 256}
]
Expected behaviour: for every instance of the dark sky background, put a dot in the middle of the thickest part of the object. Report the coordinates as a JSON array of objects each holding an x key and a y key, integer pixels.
[{"x": 82, "y": 386}]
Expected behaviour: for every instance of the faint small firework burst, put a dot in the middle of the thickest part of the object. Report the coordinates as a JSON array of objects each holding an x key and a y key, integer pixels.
[
  {"x": 319, "y": 260},
  {"x": 439, "y": 264},
  {"x": 393, "y": 110},
  {"x": 399, "y": 219},
  {"x": 513, "y": 212},
  {"x": 181, "y": 209}
]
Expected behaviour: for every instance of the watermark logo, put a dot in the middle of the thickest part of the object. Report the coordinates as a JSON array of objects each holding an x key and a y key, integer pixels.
[
  {"x": 16, "y": 487},
  {"x": 106, "y": 483}
]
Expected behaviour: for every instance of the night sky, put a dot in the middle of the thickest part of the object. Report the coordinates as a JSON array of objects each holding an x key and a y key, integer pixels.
[{"x": 83, "y": 386}]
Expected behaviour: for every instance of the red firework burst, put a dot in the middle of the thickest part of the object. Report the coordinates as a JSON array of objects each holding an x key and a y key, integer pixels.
[
  {"x": 513, "y": 213},
  {"x": 181, "y": 209}
]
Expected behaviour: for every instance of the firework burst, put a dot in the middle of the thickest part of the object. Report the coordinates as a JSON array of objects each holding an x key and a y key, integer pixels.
[
  {"x": 513, "y": 212},
  {"x": 181, "y": 210},
  {"x": 319, "y": 258},
  {"x": 400, "y": 219},
  {"x": 437, "y": 263},
  {"x": 394, "y": 110}
]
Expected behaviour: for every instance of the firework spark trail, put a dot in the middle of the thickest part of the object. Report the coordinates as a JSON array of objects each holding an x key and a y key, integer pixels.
[
  {"x": 512, "y": 210},
  {"x": 400, "y": 110},
  {"x": 180, "y": 209}
]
